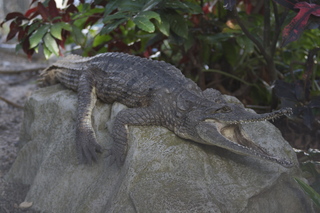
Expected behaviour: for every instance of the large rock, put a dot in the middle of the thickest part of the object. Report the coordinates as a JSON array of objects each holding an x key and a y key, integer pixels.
[{"x": 162, "y": 172}]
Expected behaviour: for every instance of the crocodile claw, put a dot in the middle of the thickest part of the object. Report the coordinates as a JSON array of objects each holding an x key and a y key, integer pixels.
[
  {"x": 115, "y": 157},
  {"x": 87, "y": 146}
]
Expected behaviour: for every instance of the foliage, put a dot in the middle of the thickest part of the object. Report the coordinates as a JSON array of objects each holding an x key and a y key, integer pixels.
[
  {"x": 233, "y": 51},
  {"x": 55, "y": 26},
  {"x": 310, "y": 191}
]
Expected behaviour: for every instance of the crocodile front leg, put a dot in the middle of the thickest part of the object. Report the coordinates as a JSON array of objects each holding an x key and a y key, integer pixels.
[
  {"x": 130, "y": 116},
  {"x": 86, "y": 142}
]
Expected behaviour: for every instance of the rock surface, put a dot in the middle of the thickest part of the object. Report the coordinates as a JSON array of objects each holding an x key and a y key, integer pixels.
[{"x": 162, "y": 173}]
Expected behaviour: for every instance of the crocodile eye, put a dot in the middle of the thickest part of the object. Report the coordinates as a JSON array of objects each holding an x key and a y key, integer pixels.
[{"x": 223, "y": 109}]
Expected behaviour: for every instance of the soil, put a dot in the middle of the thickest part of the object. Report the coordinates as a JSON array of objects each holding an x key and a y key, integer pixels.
[{"x": 15, "y": 89}]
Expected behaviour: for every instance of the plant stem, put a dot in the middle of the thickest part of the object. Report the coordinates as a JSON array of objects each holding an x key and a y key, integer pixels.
[
  {"x": 249, "y": 35},
  {"x": 269, "y": 59},
  {"x": 266, "y": 31}
]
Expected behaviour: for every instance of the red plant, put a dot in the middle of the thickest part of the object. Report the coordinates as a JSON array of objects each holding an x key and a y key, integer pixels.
[
  {"x": 28, "y": 25},
  {"x": 294, "y": 29}
]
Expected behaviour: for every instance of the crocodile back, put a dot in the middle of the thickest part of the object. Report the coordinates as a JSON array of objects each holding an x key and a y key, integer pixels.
[
  {"x": 133, "y": 80},
  {"x": 120, "y": 77},
  {"x": 135, "y": 70}
]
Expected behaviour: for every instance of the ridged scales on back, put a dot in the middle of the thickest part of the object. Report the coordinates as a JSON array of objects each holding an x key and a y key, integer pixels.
[
  {"x": 157, "y": 94},
  {"x": 120, "y": 77}
]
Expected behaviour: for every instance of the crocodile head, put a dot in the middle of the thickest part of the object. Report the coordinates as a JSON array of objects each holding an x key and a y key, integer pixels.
[{"x": 220, "y": 125}]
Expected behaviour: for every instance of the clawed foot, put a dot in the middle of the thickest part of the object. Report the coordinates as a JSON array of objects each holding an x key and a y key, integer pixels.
[
  {"x": 115, "y": 157},
  {"x": 87, "y": 146}
]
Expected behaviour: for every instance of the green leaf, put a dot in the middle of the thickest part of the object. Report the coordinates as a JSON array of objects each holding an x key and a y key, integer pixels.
[
  {"x": 18, "y": 47},
  {"x": 78, "y": 35},
  {"x": 94, "y": 10},
  {"x": 245, "y": 43},
  {"x": 56, "y": 29},
  {"x": 130, "y": 24},
  {"x": 101, "y": 39},
  {"x": 177, "y": 24},
  {"x": 84, "y": 7},
  {"x": 110, "y": 6},
  {"x": 164, "y": 26},
  {"x": 47, "y": 53},
  {"x": 142, "y": 20},
  {"x": 33, "y": 27},
  {"x": 193, "y": 8},
  {"x": 310, "y": 191},
  {"x": 131, "y": 6},
  {"x": 118, "y": 15},
  {"x": 56, "y": 32},
  {"x": 36, "y": 49},
  {"x": 150, "y": 4},
  {"x": 51, "y": 44},
  {"x": 110, "y": 27},
  {"x": 144, "y": 24},
  {"x": 176, "y": 5},
  {"x": 184, "y": 6},
  {"x": 37, "y": 36}
]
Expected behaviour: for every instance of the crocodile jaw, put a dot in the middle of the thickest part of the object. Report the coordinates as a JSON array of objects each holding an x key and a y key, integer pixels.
[
  {"x": 230, "y": 137},
  {"x": 231, "y": 131}
]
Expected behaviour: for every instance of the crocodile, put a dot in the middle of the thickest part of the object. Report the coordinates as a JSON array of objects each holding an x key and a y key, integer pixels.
[{"x": 156, "y": 94}]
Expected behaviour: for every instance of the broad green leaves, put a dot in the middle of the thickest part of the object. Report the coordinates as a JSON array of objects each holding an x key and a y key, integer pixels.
[
  {"x": 77, "y": 35},
  {"x": 177, "y": 23},
  {"x": 46, "y": 35},
  {"x": 150, "y": 15},
  {"x": 37, "y": 36},
  {"x": 110, "y": 27},
  {"x": 183, "y": 6},
  {"x": 149, "y": 5},
  {"x": 51, "y": 44},
  {"x": 149, "y": 19},
  {"x": 142, "y": 20},
  {"x": 56, "y": 29},
  {"x": 164, "y": 25},
  {"x": 116, "y": 16},
  {"x": 112, "y": 5}
]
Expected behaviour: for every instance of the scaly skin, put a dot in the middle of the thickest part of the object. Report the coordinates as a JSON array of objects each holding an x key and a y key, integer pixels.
[{"x": 157, "y": 94}]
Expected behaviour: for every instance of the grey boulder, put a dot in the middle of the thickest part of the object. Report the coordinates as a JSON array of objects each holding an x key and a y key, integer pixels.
[{"x": 162, "y": 172}]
